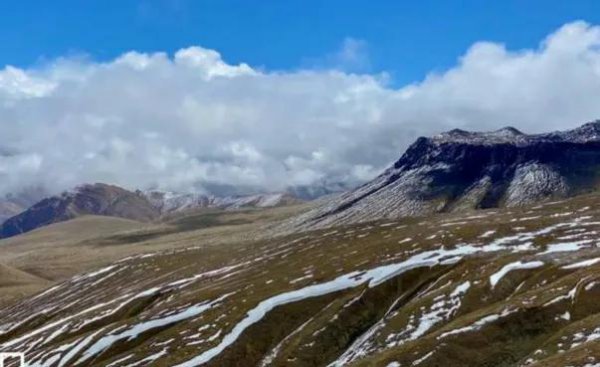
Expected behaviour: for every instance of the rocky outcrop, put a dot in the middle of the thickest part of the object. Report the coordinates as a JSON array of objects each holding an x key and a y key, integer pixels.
[{"x": 460, "y": 170}]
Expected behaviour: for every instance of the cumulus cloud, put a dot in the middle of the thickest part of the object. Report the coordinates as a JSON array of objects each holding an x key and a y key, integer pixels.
[{"x": 192, "y": 121}]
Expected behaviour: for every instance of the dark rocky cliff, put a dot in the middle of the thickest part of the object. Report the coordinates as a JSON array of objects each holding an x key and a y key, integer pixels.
[{"x": 460, "y": 170}]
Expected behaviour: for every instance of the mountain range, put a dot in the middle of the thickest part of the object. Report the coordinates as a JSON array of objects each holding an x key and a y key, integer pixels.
[
  {"x": 473, "y": 249},
  {"x": 450, "y": 172},
  {"x": 110, "y": 200}
]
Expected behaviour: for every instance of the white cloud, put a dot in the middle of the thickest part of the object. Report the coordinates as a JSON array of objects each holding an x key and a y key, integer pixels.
[
  {"x": 352, "y": 56},
  {"x": 17, "y": 84},
  {"x": 209, "y": 63},
  {"x": 194, "y": 121}
]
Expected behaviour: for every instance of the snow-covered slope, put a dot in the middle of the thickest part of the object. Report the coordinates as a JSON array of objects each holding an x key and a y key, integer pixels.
[{"x": 461, "y": 170}]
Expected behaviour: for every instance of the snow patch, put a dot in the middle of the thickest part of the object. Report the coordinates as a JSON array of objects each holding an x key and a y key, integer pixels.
[{"x": 518, "y": 265}]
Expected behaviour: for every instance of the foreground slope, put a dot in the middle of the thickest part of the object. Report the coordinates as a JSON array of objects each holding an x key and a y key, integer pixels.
[
  {"x": 461, "y": 170},
  {"x": 489, "y": 288}
]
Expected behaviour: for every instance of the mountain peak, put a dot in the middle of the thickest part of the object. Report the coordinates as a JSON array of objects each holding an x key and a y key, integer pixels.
[
  {"x": 508, "y": 131},
  {"x": 505, "y": 135}
]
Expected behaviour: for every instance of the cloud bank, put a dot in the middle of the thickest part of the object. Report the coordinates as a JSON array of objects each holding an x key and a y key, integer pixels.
[{"x": 191, "y": 121}]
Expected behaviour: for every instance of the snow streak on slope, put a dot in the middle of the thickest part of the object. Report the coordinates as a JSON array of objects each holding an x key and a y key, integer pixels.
[{"x": 496, "y": 277}]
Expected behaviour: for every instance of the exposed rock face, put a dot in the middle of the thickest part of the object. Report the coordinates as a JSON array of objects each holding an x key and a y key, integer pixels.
[
  {"x": 460, "y": 170},
  {"x": 96, "y": 199}
]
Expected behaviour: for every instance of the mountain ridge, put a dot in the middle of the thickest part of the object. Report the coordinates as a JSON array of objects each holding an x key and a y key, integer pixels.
[
  {"x": 111, "y": 200},
  {"x": 90, "y": 199},
  {"x": 461, "y": 170}
]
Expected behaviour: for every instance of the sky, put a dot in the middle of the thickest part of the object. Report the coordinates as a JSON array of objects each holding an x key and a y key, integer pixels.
[
  {"x": 246, "y": 96},
  {"x": 407, "y": 39}
]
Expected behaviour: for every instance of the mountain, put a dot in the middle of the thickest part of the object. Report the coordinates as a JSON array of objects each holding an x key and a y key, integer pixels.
[
  {"x": 319, "y": 189},
  {"x": 9, "y": 209},
  {"x": 12, "y": 205},
  {"x": 501, "y": 287},
  {"x": 460, "y": 170},
  {"x": 170, "y": 202},
  {"x": 91, "y": 199},
  {"x": 114, "y": 201}
]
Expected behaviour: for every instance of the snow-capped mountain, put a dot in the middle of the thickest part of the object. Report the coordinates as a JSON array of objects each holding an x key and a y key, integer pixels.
[
  {"x": 460, "y": 170},
  {"x": 169, "y": 202}
]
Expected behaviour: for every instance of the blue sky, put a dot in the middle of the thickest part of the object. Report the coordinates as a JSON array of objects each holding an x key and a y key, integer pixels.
[{"x": 408, "y": 39}]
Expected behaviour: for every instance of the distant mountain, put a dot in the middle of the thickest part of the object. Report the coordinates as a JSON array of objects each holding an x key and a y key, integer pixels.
[
  {"x": 319, "y": 190},
  {"x": 170, "y": 202},
  {"x": 13, "y": 204},
  {"x": 460, "y": 170},
  {"x": 96, "y": 199},
  {"x": 9, "y": 209},
  {"x": 114, "y": 201}
]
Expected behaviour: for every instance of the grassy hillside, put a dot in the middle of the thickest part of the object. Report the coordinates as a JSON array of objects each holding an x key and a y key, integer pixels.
[
  {"x": 57, "y": 252},
  {"x": 486, "y": 288}
]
